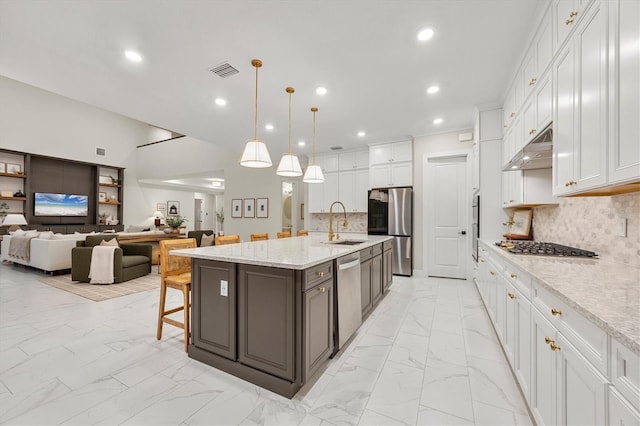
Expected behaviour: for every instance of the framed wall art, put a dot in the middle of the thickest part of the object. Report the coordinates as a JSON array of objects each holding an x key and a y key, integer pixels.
[
  {"x": 173, "y": 208},
  {"x": 236, "y": 208},
  {"x": 262, "y": 207},
  {"x": 102, "y": 197},
  {"x": 161, "y": 207},
  {"x": 249, "y": 207},
  {"x": 105, "y": 180},
  {"x": 14, "y": 168},
  {"x": 3, "y": 167}
]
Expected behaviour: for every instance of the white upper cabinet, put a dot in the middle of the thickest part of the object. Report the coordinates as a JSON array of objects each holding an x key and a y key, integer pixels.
[
  {"x": 529, "y": 72},
  {"x": 624, "y": 90},
  {"x": 328, "y": 162},
  {"x": 354, "y": 160},
  {"x": 352, "y": 190},
  {"x": 391, "y": 165},
  {"x": 543, "y": 44},
  {"x": 390, "y": 153},
  {"x": 321, "y": 195},
  {"x": 544, "y": 102},
  {"x": 566, "y": 15},
  {"x": 580, "y": 107}
]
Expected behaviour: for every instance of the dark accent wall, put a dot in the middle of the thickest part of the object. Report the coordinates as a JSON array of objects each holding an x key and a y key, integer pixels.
[{"x": 61, "y": 177}]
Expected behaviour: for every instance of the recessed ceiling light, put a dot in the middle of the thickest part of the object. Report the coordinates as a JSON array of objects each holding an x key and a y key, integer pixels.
[
  {"x": 361, "y": 134},
  {"x": 221, "y": 102},
  {"x": 133, "y": 56},
  {"x": 425, "y": 34},
  {"x": 321, "y": 90},
  {"x": 433, "y": 89},
  {"x": 526, "y": 157},
  {"x": 437, "y": 121},
  {"x": 268, "y": 126},
  {"x": 514, "y": 167},
  {"x": 301, "y": 143}
]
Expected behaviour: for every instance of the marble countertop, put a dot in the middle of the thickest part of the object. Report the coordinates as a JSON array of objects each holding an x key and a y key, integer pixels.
[
  {"x": 290, "y": 253},
  {"x": 606, "y": 293}
]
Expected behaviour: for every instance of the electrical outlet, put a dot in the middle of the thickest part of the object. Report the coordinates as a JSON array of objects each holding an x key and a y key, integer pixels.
[
  {"x": 224, "y": 288},
  {"x": 622, "y": 227}
]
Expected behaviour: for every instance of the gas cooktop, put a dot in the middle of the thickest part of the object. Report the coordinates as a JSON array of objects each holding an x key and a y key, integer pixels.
[{"x": 544, "y": 249}]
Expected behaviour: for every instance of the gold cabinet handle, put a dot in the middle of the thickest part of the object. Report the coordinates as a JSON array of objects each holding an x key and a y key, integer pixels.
[
  {"x": 482, "y": 260},
  {"x": 568, "y": 21},
  {"x": 532, "y": 81},
  {"x": 321, "y": 274},
  {"x": 571, "y": 183},
  {"x": 504, "y": 125},
  {"x": 322, "y": 289},
  {"x": 511, "y": 201},
  {"x": 573, "y": 14},
  {"x": 532, "y": 131},
  {"x": 512, "y": 114},
  {"x": 511, "y": 295},
  {"x": 492, "y": 273},
  {"x": 554, "y": 347},
  {"x": 514, "y": 276},
  {"x": 549, "y": 340},
  {"x": 555, "y": 312}
]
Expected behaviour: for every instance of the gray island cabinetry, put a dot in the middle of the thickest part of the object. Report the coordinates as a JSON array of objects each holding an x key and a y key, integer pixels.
[{"x": 270, "y": 322}]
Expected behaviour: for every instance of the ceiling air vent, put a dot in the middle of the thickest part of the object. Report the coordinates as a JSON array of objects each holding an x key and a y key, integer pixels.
[
  {"x": 336, "y": 148},
  {"x": 224, "y": 70}
]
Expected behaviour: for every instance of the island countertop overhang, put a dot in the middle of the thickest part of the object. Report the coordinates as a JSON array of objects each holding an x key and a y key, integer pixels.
[{"x": 296, "y": 253}]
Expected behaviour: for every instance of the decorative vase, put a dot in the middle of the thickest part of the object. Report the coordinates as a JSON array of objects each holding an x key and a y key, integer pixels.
[{"x": 175, "y": 230}]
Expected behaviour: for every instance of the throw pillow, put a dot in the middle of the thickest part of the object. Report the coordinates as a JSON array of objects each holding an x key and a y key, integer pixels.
[
  {"x": 111, "y": 242},
  {"x": 45, "y": 235},
  {"x": 207, "y": 240},
  {"x": 17, "y": 232}
]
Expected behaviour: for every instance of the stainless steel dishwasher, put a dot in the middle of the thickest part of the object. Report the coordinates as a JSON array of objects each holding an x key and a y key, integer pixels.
[{"x": 348, "y": 297}]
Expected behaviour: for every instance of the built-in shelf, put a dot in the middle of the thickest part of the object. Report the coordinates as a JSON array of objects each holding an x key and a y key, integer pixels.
[
  {"x": 14, "y": 175},
  {"x": 112, "y": 203},
  {"x": 111, "y": 185},
  {"x": 14, "y": 198}
]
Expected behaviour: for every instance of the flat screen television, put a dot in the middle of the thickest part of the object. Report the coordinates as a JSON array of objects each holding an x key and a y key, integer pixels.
[{"x": 47, "y": 204}]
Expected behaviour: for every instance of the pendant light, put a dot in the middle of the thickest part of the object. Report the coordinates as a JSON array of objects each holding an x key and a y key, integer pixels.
[
  {"x": 314, "y": 172},
  {"x": 255, "y": 153},
  {"x": 289, "y": 164}
]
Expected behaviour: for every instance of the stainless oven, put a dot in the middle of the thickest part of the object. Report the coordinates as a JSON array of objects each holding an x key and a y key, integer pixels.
[{"x": 475, "y": 226}]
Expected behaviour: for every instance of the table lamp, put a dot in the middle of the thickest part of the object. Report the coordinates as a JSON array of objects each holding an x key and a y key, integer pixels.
[
  {"x": 158, "y": 216},
  {"x": 14, "y": 221}
]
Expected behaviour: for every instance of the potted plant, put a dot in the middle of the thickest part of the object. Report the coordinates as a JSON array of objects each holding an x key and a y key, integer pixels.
[
  {"x": 175, "y": 222},
  {"x": 220, "y": 218},
  {"x": 103, "y": 218},
  {"x": 4, "y": 208}
]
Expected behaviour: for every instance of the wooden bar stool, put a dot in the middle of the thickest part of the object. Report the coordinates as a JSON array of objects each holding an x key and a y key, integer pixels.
[
  {"x": 285, "y": 234},
  {"x": 176, "y": 273},
  {"x": 227, "y": 239},
  {"x": 259, "y": 237},
  {"x": 302, "y": 233}
]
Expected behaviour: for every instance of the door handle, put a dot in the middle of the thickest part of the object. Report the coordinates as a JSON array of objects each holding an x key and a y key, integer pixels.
[{"x": 462, "y": 232}]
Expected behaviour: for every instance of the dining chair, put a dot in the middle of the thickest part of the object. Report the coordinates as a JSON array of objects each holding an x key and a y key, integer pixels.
[
  {"x": 176, "y": 274},
  {"x": 227, "y": 239},
  {"x": 302, "y": 233},
  {"x": 285, "y": 234},
  {"x": 259, "y": 237}
]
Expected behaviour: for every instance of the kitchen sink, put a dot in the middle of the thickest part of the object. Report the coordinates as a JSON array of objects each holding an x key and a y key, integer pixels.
[{"x": 345, "y": 242}]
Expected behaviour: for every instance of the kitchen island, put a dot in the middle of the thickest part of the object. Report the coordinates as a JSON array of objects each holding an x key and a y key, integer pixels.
[{"x": 267, "y": 311}]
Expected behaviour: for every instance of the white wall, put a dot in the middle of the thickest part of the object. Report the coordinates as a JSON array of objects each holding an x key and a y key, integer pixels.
[
  {"x": 39, "y": 122},
  {"x": 446, "y": 142},
  {"x": 242, "y": 182}
]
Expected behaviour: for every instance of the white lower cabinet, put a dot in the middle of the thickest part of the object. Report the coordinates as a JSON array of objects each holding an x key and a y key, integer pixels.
[
  {"x": 620, "y": 411},
  {"x": 558, "y": 357}
]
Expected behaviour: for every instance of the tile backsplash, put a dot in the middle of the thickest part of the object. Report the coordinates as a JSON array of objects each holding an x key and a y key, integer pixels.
[
  {"x": 592, "y": 223},
  {"x": 357, "y": 222}
]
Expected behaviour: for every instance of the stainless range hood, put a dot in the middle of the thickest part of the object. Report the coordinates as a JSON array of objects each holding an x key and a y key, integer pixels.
[{"x": 535, "y": 155}]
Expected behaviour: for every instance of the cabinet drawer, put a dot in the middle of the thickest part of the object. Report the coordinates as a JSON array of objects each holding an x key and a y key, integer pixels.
[
  {"x": 588, "y": 338},
  {"x": 387, "y": 245},
  {"x": 625, "y": 372},
  {"x": 317, "y": 274},
  {"x": 377, "y": 249},
  {"x": 519, "y": 279},
  {"x": 366, "y": 254}
]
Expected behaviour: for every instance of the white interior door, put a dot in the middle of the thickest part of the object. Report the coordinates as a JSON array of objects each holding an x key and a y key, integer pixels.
[{"x": 446, "y": 209}]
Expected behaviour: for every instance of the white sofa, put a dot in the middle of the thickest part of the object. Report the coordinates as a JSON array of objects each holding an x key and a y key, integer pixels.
[{"x": 48, "y": 254}]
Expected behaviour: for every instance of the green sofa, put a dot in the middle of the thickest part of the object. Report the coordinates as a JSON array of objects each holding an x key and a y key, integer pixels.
[{"x": 130, "y": 260}]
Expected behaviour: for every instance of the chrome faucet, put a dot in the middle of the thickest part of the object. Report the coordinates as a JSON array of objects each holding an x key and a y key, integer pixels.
[{"x": 344, "y": 225}]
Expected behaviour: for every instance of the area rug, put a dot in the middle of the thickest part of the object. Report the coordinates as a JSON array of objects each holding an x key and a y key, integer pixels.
[{"x": 97, "y": 292}]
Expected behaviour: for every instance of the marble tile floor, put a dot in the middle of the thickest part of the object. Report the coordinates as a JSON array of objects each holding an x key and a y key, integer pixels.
[{"x": 426, "y": 356}]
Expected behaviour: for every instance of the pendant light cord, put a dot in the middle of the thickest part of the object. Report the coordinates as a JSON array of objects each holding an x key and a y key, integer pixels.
[
  {"x": 290, "y": 91},
  {"x": 255, "y": 122},
  {"x": 314, "y": 109}
]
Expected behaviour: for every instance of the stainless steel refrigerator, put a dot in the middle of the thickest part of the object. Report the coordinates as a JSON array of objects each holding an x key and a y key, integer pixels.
[{"x": 390, "y": 212}]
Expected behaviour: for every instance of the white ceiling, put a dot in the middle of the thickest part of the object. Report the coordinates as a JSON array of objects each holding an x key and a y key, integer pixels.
[{"x": 364, "y": 51}]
